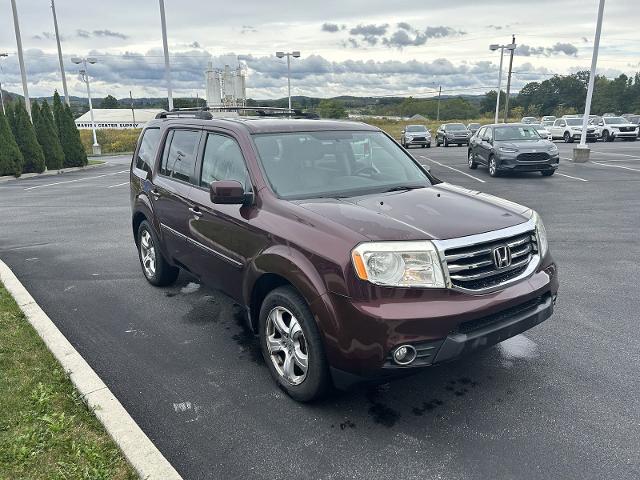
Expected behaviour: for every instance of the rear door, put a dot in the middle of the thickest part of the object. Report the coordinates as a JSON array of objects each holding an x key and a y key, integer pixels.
[{"x": 172, "y": 186}]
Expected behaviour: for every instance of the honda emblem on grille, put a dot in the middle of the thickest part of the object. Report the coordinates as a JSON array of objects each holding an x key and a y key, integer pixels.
[{"x": 501, "y": 256}]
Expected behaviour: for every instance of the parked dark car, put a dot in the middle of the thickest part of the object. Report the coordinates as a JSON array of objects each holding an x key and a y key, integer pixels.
[
  {"x": 513, "y": 148},
  {"x": 351, "y": 261},
  {"x": 452, "y": 133},
  {"x": 415, "y": 135}
]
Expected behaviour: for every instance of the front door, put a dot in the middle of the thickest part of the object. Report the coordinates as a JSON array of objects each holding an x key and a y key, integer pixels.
[
  {"x": 171, "y": 190},
  {"x": 222, "y": 236}
]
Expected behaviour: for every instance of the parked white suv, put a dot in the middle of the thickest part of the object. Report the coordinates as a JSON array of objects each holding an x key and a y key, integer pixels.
[
  {"x": 611, "y": 128},
  {"x": 570, "y": 129}
]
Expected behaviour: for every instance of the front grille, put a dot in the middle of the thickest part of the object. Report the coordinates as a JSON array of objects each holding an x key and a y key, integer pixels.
[
  {"x": 472, "y": 267},
  {"x": 627, "y": 129},
  {"x": 418, "y": 139},
  {"x": 533, "y": 157}
]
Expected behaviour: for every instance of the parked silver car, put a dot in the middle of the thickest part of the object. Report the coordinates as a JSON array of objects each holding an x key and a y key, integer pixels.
[{"x": 415, "y": 135}]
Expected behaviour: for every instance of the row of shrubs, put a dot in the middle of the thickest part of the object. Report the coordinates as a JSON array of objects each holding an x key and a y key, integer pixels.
[{"x": 47, "y": 140}]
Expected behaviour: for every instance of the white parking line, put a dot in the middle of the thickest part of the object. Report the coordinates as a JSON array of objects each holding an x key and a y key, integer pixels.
[
  {"x": 118, "y": 185},
  {"x": 76, "y": 180},
  {"x": 451, "y": 168},
  {"x": 619, "y": 154},
  {"x": 616, "y": 166},
  {"x": 569, "y": 176}
]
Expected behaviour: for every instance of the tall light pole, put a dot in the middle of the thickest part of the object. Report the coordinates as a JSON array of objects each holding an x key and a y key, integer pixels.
[
  {"x": 438, "y": 112},
  {"x": 165, "y": 46},
  {"x": 1, "y": 95},
  {"x": 493, "y": 48},
  {"x": 506, "y": 98},
  {"x": 64, "y": 78},
  {"x": 295, "y": 54},
  {"x": 581, "y": 152},
  {"x": 23, "y": 72},
  {"x": 84, "y": 74}
]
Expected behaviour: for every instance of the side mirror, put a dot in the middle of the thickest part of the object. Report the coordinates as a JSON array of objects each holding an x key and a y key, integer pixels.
[{"x": 229, "y": 192}]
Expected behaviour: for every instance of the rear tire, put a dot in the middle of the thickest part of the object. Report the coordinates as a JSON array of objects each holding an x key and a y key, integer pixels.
[
  {"x": 429, "y": 145},
  {"x": 155, "y": 267},
  {"x": 568, "y": 138},
  {"x": 289, "y": 338}
]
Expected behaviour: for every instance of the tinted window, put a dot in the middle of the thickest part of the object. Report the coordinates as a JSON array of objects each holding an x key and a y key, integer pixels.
[
  {"x": 512, "y": 133},
  {"x": 614, "y": 120},
  {"x": 489, "y": 134},
  {"x": 222, "y": 160},
  {"x": 416, "y": 128},
  {"x": 148, "y": 148},
  {"x": 179, "y": 158},
  {"x": 454, "y": 127},
  {"x": 574, "y": 122},
  {"x": 480, "y": 133}
]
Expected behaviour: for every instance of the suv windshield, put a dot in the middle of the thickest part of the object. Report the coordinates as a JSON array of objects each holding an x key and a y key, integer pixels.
[
  {"x": 614, "y": 120},
  {"x": 416, "y": 128},
  {"x": 454, "y": 127},
  {"x": 516, "y": 133},
  {"x": 336, "y": 164},
  {"x": 574, "y": 122}
]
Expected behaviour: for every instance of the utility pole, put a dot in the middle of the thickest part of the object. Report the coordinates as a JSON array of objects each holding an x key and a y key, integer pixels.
[
  {"x": 438, "y": 111},
  {"x": 581, "y": 152},
  {"x": 167, "y": 65},
  {"x": 1, "y": 95},
  {"x": 23, "y": 72},
  {"x": 84, "y": 74},
  {"x": 64, "y": 78},
  {"x": 506, "y": 102}
]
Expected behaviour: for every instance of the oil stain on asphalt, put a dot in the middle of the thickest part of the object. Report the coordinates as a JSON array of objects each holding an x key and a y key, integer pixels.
[{"x": 381, "y": 413}]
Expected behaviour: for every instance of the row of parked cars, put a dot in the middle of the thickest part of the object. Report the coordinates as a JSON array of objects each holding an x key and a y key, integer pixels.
[{"x": 607, "y": 128}]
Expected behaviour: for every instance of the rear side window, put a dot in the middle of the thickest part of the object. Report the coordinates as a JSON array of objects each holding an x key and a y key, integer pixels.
[
  {"x": 222, "y": 160},
  {"x": 179, "y": 157},
  {"x": 148, "y": 148}
]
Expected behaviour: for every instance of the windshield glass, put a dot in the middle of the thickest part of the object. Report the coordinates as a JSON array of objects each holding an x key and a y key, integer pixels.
[
  {"x": 454, "y": 127},
  {"x": 474, "y": 125},
  {"x": 416, "y": 128},
  {"x": 539, "y": 127},
  {"x": 335, "y": 164},
  {"x": 574, "y": 122},
  {"x": 614, "y": 120},
  {"x": 513, "y": 133}
]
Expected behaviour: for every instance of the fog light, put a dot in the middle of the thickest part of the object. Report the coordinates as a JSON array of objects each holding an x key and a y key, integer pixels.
[{"x": 404, "y": 355}]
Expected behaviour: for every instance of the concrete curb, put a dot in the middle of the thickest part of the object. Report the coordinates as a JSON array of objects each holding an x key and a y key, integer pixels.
[
  {"x": 9, "y": 178},
  {"x": 143, "y": 455}
]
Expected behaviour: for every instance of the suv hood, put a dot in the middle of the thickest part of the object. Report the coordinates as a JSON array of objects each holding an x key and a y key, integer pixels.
[
  {"x": 439, "y": 212},
  {"x": 627, "y": 124}
]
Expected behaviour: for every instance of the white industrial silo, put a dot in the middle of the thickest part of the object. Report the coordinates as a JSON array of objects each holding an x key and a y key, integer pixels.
[
  {"x": 240, "y": 87},
  {"x": 214, "y": 92}
]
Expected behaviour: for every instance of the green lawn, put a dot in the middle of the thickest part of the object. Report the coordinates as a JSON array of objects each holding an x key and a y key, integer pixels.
[{"x": 46, "y": 431}]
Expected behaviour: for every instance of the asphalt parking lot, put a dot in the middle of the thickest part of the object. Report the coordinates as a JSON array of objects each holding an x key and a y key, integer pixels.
[{"x": 560, "y": 401}]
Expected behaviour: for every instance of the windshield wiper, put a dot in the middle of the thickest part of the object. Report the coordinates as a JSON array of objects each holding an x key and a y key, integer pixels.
[{"x": 402, "y": 188}]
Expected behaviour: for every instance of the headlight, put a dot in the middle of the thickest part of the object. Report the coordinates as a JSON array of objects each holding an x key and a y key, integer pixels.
[
  {"x": 508, "y": 150},
  {"x": 399, "y": 264},
  {"x": 614, "y": 128},
  {"x": 576, "y": 128},
  {"x": 553, "y": 148},
  {"x": 541, "y": 233}
]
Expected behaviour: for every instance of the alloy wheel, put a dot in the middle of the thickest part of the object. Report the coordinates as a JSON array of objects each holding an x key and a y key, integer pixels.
[
  {"x": 287, "y": 345},
  {"x": 471, "y": 163},
  {"x": 148, "y": 254},
  {"x": 493, "y": 168}
]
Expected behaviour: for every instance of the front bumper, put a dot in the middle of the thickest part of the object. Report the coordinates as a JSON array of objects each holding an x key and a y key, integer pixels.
[
  {"x": 511, "y": 163},
  {"x": 417, "y": 141},
  {"x": 441, "y": 325},
  {"x": 633, "y": 134},
  {"x": 458, "y": 140}
]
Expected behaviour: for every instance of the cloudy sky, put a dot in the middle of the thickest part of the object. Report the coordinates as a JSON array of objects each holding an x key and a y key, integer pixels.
[{"x": 358, "y": 47}]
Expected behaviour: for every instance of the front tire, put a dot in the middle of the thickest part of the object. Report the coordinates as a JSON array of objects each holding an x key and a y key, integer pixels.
[
  {"x": 155, "y": 267},
  {"x": 446, "y": 142},
  {"x": 568, "y": 138},
  {"x": 493, "y": 167},
  {"x": 547, "y": 173},
  {"x": 472, "y": 164},
  {"x": 292, "y": 347}
]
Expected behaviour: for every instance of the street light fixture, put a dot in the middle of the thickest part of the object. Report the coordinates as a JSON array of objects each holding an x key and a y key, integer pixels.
[
  {"x": 84, "y": 75},
  {"x": 493, "y": 47},
  {"x": 294, "y": 54}
]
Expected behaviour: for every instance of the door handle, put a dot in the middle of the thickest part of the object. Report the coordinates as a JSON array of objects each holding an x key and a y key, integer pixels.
[{"x": 196, "y": 211}]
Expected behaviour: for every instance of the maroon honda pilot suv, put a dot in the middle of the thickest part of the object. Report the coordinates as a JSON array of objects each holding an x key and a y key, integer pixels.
[{"x": 353, "y": 262}]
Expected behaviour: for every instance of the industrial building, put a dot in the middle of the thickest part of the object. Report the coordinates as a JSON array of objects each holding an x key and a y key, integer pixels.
[
  {"x": 225, "y": 88},
  {"x": 118, "y": 118}
]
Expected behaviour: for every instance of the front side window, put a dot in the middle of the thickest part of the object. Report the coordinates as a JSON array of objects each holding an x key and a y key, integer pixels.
[
  {"x": 222, "y": 160},
  {"x": 148, "y": 147},
  {"x": 180, "y": 151},
  {"x": 336, "y": 164}
]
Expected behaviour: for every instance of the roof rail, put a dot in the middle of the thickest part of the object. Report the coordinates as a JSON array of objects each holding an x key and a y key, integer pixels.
[{"x": 204, "y": 113}]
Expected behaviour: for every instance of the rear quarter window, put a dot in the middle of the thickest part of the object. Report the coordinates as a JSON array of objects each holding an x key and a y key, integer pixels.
[{"x": 148, "y": 149}]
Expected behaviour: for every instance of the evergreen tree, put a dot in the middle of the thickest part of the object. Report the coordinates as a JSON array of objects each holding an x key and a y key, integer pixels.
[
  {"x": 11, "y": 118},
  {"x": 10, "y": 156},
  {"x": 58, "y": 113},
  {"x": 74, "y": 154},
  {"x": 25, "y": 136},
  {"x": 47, "y": 136}
]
